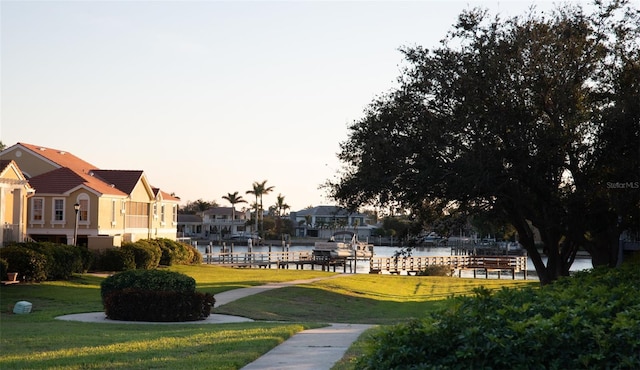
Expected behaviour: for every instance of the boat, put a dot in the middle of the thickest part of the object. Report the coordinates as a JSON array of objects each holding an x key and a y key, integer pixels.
[{"x": 349, "y": 247}]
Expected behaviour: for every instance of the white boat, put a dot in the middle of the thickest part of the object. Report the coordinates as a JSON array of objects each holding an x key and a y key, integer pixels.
[{"x": 344, "y": 249}]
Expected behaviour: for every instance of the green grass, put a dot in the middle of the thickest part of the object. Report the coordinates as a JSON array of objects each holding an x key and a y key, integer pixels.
[
  {"x": 37, "y": 340},
  {"x": 360, "y": 299}
]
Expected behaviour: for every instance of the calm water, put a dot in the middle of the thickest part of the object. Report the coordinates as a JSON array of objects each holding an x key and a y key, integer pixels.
[{"x": 382, "y": 251}]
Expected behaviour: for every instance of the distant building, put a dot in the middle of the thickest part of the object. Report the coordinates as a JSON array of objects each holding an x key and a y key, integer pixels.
[
  {"x": 189, "y": 226},
  {"x": 323, "y": 221},
  {"x": 219, "y": 222}
]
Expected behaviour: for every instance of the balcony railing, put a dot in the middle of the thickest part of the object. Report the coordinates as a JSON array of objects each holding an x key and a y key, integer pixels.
[{"x": 11, "y": 233}]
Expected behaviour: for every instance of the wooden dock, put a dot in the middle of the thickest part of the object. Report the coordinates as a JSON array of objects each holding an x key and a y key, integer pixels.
[
  {"x": 279, "y": 260},
  {"x": 377, "y": 265}
]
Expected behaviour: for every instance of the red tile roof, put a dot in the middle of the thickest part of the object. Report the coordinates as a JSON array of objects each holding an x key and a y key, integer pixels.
[
  {"x": 61, "y": 158},
  {"x": 79, "y": 172},
  {"x": 64, "y": 180}
]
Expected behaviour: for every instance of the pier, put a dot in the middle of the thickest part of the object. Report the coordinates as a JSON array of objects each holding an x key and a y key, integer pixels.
[
  {"x": 377, "y": 265},
  {"x": 279, "y": 260}
]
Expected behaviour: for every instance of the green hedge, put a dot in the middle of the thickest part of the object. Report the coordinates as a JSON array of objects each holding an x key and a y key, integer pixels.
[
  {"x": 115, "y": 259},
  {"x": 29, "y": 264},
  {"x": 38, "y": 261},
  {"x": 154, "y": 295},
  {"x": 176, "y": 253},
  {"x": 145, "y": 254},
  {"x": 158, "y": 306},
  {"x": 588, "y": 321},
  {"x": 155, "y": 280}
]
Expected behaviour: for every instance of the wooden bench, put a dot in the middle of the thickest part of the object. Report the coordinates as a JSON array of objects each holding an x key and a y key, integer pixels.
[{"x": 493, "y": 263}]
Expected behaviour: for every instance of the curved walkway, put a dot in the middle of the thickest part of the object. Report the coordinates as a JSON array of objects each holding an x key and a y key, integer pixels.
[{"x": 314, "y": 349}]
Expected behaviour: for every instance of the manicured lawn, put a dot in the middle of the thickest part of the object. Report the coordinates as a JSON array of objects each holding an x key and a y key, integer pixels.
[
  {"x": 360, "y": 299},
  {"x": 38, "y": 340}
]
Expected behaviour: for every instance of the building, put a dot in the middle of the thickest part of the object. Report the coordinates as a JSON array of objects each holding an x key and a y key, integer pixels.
[
  {"x": 323, "y": 221},
  {"x": 14, "y": 194},
  {"x": 224, "y": 221},
  {"x": 216, "y": 223},
  {"x": 75, "y": 202},
  {"x": 189, "y": 226}
]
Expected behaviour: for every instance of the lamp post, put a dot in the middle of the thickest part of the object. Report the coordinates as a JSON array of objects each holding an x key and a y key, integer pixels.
[{"x": 76, "y": 207}]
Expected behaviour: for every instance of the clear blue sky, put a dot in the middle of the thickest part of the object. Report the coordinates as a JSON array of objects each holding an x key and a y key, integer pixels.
[{"x": 208, "y": 96}]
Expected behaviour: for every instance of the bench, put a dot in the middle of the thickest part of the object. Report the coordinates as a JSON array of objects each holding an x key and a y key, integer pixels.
[{"x": 492, "y": 263}]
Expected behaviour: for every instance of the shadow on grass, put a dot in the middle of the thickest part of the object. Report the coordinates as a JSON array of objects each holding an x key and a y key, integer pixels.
[{"x": 306, "y": 303}]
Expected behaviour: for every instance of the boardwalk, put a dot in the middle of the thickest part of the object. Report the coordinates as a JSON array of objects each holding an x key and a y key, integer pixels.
[
  {"x": 389, "y": 265},
  {"x": 278, "y": 260}
]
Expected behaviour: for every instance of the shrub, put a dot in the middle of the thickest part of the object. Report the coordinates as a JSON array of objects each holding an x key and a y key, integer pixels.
[
  {"x": 158, "y": 306},
  {"x": 588, "y": 321},
  {"x": 114, "y": 259},
  {"x": 154, "y": 295},
  {"x": 175, "y": 253},
  {"x": 436, "y": 270},
  {"x": 155, "y": 280},
  {"x": 146, "y": 255},
  {"x": 62, "y": 260},
  {"x": 4, "y": 268},
  {"x": 31, "y": 265}
]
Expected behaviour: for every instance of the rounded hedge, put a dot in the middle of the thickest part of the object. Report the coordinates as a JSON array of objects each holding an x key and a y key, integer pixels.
[{"x": 154, "y": 280}]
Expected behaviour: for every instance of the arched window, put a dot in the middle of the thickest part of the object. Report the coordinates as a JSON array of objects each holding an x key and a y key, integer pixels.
[{"x": 84, "y": 212}]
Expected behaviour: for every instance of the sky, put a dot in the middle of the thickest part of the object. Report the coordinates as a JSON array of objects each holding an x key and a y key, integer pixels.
[{"x": 208, "y": 97}]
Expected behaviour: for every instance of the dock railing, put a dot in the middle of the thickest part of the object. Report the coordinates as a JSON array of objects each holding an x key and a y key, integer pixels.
[{"x": 413, "y": 265}]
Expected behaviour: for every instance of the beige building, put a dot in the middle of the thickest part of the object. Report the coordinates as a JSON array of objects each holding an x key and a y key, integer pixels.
[
  {"x": 14, "y": 194},
  {"x": 76, "y": 202}
]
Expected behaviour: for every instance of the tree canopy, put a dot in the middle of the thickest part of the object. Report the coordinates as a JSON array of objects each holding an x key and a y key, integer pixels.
[{"x": 534, "y": 117}]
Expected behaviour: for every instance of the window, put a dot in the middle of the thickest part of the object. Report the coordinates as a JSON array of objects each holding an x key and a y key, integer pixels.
[
  {"x": 155, "y": 210},
  {"x": 113, "y": 212},
  {"x": 175, "y": 214},
  {"x": 162, "y": 214},
  {"x": 37, "y": 210},
  {"x": 83, "y": 213},
  {"x": 58, "y": 210}
]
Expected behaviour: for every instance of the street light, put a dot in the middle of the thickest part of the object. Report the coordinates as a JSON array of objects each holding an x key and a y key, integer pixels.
[{"x": 76, "y": 207}]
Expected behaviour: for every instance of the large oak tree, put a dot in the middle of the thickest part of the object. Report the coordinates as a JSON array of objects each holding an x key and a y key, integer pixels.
[{"x": 534, "y": 117}]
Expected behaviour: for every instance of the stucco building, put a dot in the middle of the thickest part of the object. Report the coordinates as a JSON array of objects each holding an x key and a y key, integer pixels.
[{"x": 74, "y": 201}]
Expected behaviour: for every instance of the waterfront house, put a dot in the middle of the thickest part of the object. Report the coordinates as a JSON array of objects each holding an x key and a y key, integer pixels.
[
  {"x": 322, "y": 221},
  {"x": 76, "y": 202}
]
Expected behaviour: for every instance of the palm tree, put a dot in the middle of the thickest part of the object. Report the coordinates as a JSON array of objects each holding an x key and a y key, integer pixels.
[
  {"x": 280, "y": 207},
  {"x": 234, "y": 199},
  {"x": 259, "y": 189}
]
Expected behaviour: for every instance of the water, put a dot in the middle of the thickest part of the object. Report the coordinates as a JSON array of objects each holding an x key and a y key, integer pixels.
[{"x": 362, "y": 266}]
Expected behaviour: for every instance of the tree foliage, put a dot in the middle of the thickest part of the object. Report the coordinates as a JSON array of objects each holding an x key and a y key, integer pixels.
[{"x": 532, "y": 117}]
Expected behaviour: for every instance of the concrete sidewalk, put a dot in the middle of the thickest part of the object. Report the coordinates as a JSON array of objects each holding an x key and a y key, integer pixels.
[{"x": 314, "y": 349}]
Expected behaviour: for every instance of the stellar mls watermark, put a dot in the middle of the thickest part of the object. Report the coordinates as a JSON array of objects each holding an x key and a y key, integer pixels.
[{"x": 623, "y": 185}]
